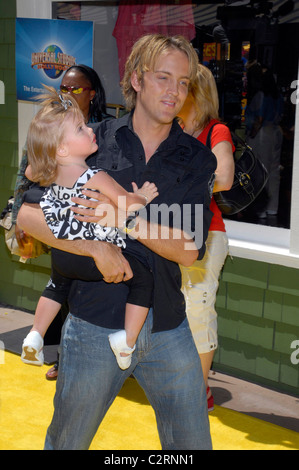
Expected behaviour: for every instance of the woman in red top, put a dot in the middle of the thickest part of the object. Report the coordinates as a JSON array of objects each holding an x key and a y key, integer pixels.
[{"x": 200, "y": 281}]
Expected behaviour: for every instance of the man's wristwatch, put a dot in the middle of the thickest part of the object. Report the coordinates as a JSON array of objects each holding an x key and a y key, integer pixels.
[{"x": 130, "y": 222}]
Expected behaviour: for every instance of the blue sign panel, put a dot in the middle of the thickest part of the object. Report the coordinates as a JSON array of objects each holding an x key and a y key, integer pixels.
[{"x": 45, "y": 49}]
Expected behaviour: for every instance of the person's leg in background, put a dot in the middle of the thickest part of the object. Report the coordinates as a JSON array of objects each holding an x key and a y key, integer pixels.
[
  {"x": 200, "y": 285},
  {"x": 54, "y": 336}
]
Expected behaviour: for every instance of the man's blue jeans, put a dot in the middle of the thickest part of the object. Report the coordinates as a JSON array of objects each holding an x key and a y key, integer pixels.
[{"x": 165, "y": 364}]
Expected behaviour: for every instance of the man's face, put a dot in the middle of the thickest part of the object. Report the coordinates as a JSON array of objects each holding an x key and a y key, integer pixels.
[{"x": 163, "y": 91}]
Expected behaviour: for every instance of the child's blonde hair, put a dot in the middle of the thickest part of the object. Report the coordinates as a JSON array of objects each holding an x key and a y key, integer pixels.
[
  {"x": 205, "y": 97},
  {"x": 45, "y": 134}
]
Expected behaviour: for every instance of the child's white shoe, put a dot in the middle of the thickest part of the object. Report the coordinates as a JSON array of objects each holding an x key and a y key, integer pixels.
[
  {"x": 118, "y": 343},
  {"x": 32, "y": 350}
]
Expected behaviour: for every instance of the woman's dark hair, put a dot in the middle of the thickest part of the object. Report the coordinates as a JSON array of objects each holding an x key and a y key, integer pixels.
[{"x": 98, "y": 106}]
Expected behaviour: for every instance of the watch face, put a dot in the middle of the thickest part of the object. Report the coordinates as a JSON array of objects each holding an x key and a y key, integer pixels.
[{"x": 131, "y": 223}]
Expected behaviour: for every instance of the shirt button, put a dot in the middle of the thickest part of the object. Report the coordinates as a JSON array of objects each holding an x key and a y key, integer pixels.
[
  {"x": 114, "y": 167},
  {"x": 140, "y": 157}
]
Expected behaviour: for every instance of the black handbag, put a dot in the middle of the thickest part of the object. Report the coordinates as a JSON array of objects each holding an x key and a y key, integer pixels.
[{"x": 250, "y": 178}]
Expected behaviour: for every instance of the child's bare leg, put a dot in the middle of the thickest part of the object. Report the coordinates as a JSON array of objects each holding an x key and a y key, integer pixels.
[
  {"x": 134, "y": 320},
  {"x": 45, "y": 312}
]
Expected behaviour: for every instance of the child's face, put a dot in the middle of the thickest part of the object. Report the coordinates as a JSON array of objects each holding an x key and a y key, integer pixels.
[{"x": 78, "y": 139}]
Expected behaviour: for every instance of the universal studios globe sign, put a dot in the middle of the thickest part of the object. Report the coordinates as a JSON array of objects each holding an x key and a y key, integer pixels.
[
  {"x": 52, "y": 60},
  {"x": 45, "y": 49}
]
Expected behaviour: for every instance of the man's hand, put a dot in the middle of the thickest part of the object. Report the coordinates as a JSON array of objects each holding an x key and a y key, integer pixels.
[
  {"x": 111, "y": 263},
  {"x": 102, "y": 211},
  {"x": 25, "y": 242},
  {"x": 20, "y": 237}
]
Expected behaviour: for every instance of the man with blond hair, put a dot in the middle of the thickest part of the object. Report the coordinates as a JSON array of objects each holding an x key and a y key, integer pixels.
[{"x": 145, "y": 145}]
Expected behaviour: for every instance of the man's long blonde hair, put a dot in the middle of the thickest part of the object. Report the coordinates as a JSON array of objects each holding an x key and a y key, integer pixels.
[
  {"x": 205, "y": 97},
  {"x": 144, "y": 56},
  {"x": 45, "y": 134}
]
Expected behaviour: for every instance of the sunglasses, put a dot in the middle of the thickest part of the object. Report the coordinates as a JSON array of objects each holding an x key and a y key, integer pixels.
[{"x": 73, "y": 89}]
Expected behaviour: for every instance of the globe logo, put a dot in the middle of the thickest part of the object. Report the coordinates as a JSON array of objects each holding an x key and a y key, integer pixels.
[
  {"x": 53, "y": 72},
  {"x": 52, "y": 61}
]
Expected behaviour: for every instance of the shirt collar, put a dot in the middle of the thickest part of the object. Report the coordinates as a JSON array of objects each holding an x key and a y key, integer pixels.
[{"x": 176, "y": 135}]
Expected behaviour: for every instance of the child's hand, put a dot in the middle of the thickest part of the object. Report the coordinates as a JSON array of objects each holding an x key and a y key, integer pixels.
[{"x": 149, "y": 191}]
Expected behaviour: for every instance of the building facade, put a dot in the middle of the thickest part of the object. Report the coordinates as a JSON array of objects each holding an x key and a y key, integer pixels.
[{"x": 258, "y": 298}]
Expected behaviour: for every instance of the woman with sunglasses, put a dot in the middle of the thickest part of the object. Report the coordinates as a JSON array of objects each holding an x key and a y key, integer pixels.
[{"x": 84, "y": 84}]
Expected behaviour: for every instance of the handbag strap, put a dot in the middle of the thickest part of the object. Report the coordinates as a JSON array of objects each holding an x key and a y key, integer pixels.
[
  {"x": 209, "y": 136},
  {"x": 235, "y": 138},
  {"x": 241, "y": 141}
]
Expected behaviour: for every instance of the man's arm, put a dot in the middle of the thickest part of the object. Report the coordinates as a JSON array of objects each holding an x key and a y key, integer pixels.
[
  {"x": 170, "y": 243},
  {"x": 108, "y": 258}
]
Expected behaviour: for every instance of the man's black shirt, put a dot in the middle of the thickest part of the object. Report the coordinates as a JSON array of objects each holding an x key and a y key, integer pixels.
[{"x": 182, "y": 169}]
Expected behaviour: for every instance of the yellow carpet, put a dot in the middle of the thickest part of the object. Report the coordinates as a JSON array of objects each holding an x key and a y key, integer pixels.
[{"x": 26, "y": 409}]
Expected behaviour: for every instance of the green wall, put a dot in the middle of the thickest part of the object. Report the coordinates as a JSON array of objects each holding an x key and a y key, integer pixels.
[
  {"x": 20, "y": 284},
  {"x": 257, "y": 303},
  {"x": 8, "y": 111},
  {"x": 258, "y": 309}
]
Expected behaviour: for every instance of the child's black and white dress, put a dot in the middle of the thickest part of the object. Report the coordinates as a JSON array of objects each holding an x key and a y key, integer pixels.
[{"x": 56, "y": 202}]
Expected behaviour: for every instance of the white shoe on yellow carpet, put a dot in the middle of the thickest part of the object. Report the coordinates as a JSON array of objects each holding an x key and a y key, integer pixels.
[{"x": 32, "y": 350}]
